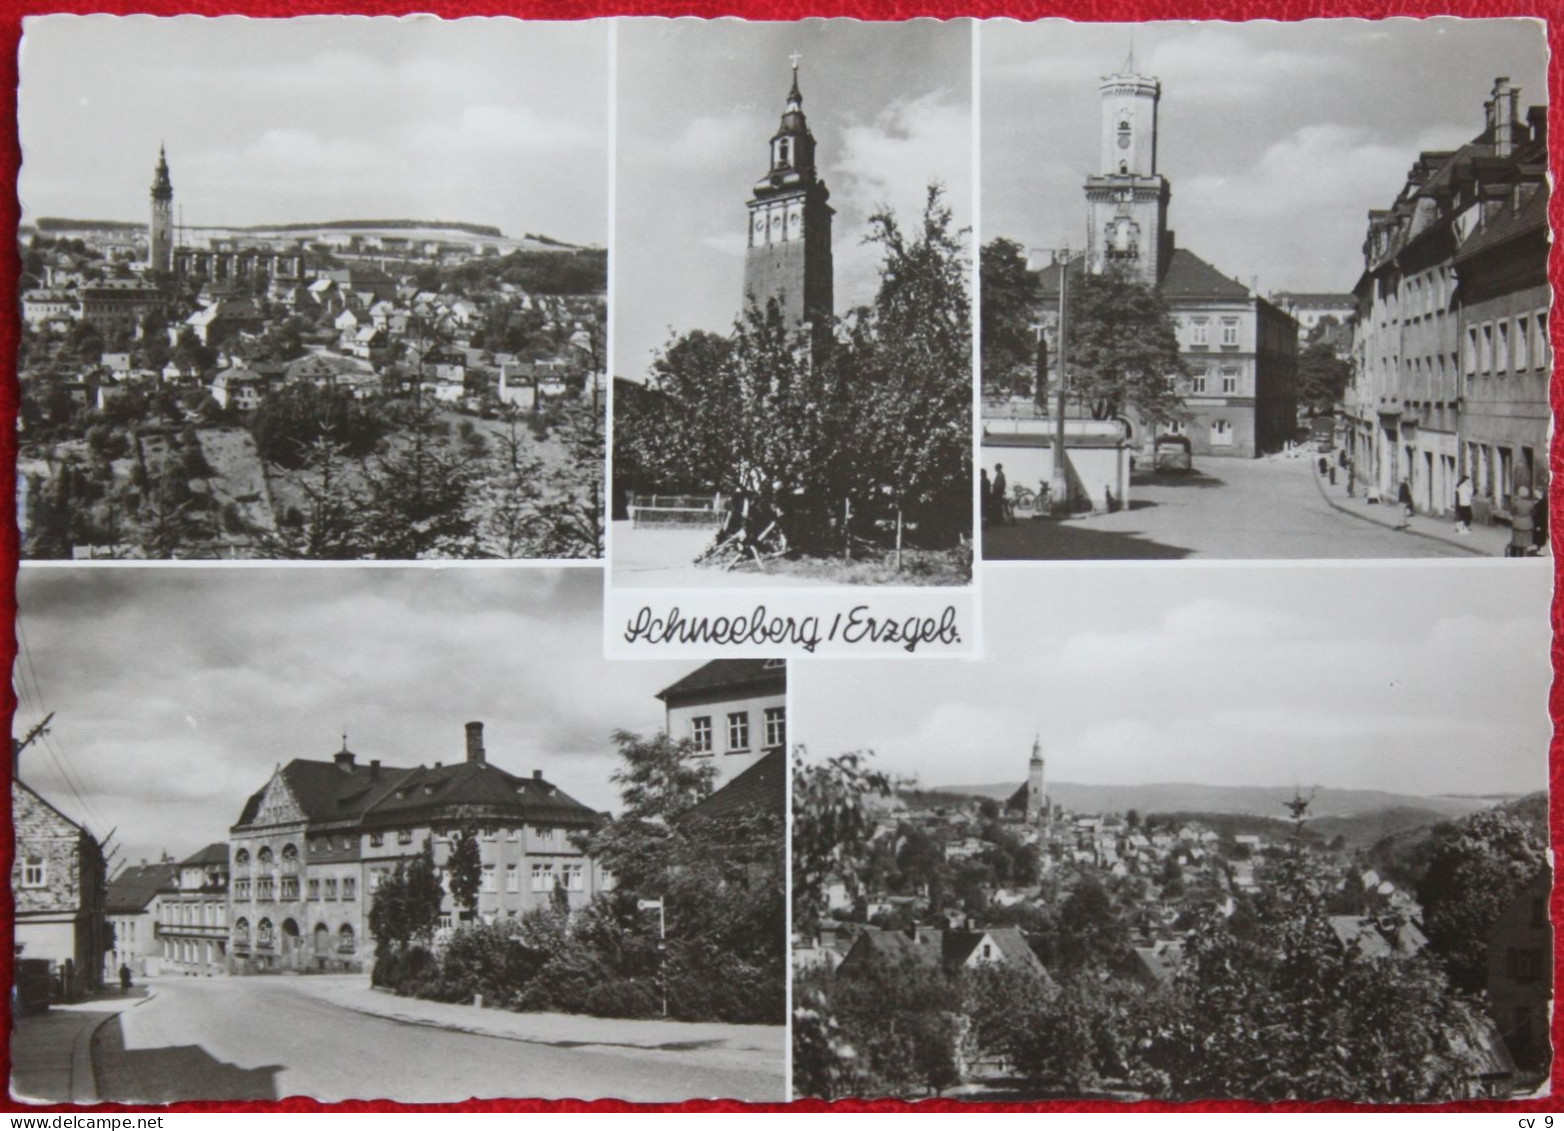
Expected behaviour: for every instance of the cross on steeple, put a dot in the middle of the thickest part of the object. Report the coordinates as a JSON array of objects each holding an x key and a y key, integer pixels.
[{"x": 794, "y": 58}]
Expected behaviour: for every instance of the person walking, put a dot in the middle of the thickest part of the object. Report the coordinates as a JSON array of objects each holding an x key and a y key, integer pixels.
[
  {"x": 985, "y": 498},
  {"x": 999, "y": 493},
  {"x": 1520, "y": 525},
  {"x": 124, "y": 978},
  {"x": 1463, "y": 505},
  {"x": 1540, "y": 522},
  {"x": 1404, "y": 497}
]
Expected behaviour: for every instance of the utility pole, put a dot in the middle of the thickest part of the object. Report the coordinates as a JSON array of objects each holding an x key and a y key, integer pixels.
[
  {"x": 662, "y": 945},
  {"x": 1059, "y": 489},
  {"x": 27, "y": 740}
]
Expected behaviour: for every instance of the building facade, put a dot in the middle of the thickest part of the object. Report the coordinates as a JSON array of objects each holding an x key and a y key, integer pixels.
[
  {"x": 1451, "y": 359},
  {"x": 1520, "y": 974},
  {"x": 132, "y": 906},
  {"x": 732, "y": 711},
  {"x": 193, "y": 929},
  {"x": 788, "y": 261},
  {"x": 59, "y": 887},
  {"x": 314, "y": 844}
]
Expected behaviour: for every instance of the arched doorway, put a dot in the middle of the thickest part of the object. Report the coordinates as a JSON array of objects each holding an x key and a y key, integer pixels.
[
  {"x": 292, "y": 952},
  {"x": 321, "y": 945}
]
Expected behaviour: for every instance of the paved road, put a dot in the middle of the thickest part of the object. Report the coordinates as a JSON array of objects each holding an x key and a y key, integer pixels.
[
  {"x": 262, "y": 1038},
  {"x": 663, "y": 557},
  {"x": 1230, "y": 508}
]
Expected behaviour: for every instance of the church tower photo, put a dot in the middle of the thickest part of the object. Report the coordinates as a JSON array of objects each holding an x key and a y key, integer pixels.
[
  {"x": 789, "y": 257},
  {"x": 160, "y": 234},
  {"x": 1127, "y": 200}
]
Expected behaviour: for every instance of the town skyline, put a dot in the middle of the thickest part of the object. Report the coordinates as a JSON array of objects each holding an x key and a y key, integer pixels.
[
  {"x": 165, "y": 724},
  {"x": 484, "y": 121},
  {"x": 1343, "y": 681},
  {"x": 1277, "y": 138}
]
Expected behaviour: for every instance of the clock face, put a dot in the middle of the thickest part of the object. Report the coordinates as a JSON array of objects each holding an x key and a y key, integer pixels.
[
  {"x": 760, "y": 223},
  {"x": 1124, "y": 139}
]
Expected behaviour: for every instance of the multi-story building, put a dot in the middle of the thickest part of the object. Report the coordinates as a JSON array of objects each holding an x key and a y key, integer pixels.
[
  {"x": 193, "y": 914},
  {"x": 133, "y": 908},
  {"x": 119, "y": 304},
  {"x": 313, "y": 845},
  {"x": 733, "y": 711},
  {"x": 58, "y": 885},
  {"x": 1450, "y": 354},
  {"x": 1520, "y": 973},
  {"x": 1241, "y": 350},
  {"x": 1319, "y": 315}
]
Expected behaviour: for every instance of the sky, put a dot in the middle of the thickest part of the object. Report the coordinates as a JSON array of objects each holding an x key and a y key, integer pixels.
[
  {"x": 890, "y": 105},
  {"x": 176, "y": 692},
  {"x": 1277, "y": 138},
  {"x": 487, "y": 121},
  {"x": 1413, "y": 679}
]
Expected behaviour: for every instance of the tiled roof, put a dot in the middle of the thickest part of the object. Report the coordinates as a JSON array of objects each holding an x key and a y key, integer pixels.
[
  {"x": 1532, "y": 216},
  {"x": 474, "y": 790},
  {"x": 214, "y": 853},
  {"x": 760, "y": 789},
  {"x": 327, "y": 791},
  {"x": 1189, "y": 276},
  {"x": 137, "y": 885},
  {"x": 721, "y": 675}
]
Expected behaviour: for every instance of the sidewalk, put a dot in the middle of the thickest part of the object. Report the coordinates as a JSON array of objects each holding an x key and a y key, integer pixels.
[
  {"x": 753, "y": 1048},
  {"x": 51, "y": 1053},
  {"x": 1483, "y": 541}
]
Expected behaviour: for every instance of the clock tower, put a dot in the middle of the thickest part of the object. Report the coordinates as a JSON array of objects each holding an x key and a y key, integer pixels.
[
  {"x": 1127, "y": 200},
  {"x": 789, "y": 257},
  {"x": 160, "y": 235}
]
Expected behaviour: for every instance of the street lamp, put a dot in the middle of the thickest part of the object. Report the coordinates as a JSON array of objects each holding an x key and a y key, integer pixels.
[
  {"x": 1059, "y": 486},
  {"x": 662, "y": 944}
]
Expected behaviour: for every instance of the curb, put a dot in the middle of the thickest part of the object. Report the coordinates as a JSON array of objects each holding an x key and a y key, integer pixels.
[
  {"x": 1464, "y": 547},
  {"x": 83, "y": 1067}
]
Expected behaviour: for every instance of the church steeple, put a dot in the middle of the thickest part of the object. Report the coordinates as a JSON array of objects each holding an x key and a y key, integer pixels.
[
  {"x": 1037, "y": 807},
  {"x": 160, "y": 233},
  {"x": 1127, "y": 199},
  {"x": 789, "y": 259}
]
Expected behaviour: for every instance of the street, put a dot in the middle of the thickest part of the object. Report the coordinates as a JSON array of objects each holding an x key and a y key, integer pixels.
[
  {"x": 1228, "y": 508},
  {"x": 266, "y": 1038}
]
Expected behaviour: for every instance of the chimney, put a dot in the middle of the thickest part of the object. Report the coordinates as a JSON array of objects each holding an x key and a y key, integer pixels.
[
  {"x": 1501, "y": 116},
  {"x": 537, "y": 775},
  {"x": 1537, "y": 117},
  {"x": 374, "y": 769},
  {"x": 475, "y": 743}
]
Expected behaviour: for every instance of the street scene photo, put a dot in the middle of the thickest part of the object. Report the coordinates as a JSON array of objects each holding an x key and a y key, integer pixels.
[
  {"x": 792, "y": 347},
  {"x": 312, "y": 288},
  {"x": 1321, "y": 335},
  {"x": 1185, "y": 835},
  {"x": 394, "y": 834}
]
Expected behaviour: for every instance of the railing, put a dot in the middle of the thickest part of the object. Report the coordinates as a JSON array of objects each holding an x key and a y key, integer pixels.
[{"x": 674, "y": 510}]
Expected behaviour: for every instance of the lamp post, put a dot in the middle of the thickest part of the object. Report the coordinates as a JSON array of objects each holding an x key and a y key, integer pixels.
[
  {"x": 662, "y": 944},
  {"x": 1059, "y": 487}
]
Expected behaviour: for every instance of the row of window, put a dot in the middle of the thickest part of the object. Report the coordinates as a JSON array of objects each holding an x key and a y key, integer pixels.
[
  {"x": 1200, "y": 380},
  {"x": 1507, "y": 345},
  {"x": 266, "y": 888},
  {"x": 701, "y": 732},
  {"x": 1200, "y": 332},
  {"x": 264, "y": 857},
  {"x": 1221, "y": 432},
  {"x": 208, "y": 914}
]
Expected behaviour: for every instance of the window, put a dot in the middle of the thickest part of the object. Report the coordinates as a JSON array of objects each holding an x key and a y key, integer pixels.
[
  {"x": 491, "y": 834},
  {"x": 376, "y": 839},
  {"x": 1221, "y": 434},
  {"x": 264, "y": 857},
  {"x": 1229, "y": 379},
  {"x": 374, "y": 881},
  {"x": 242, "y": 858},
  {"x": 1501, "y": 350},
  {"x": 290, "y": 857},
  {"x": 738, "y": 730},
  {"x": 776, "y": 726},
  {"x": 1522, "y": 342},
  {"x": 1197, "y": 381},
  {"x": 242, "y": 930},
  {"x": 512, "y": 878},
  {"x": 266, "y": 888},
  {"x": 312, "y": 889},
  {"x": 35, "y": 873},
  {"x": 1173, "y": 428},
  {"x": 241, "y": 889},
  {"x": 1471, "y": 351},
  {"x": 331, "y": 887},
  {"x": 700, "y": 734},
  {"x": 349, "y": 887},
  {"x": 1523, "y": 963},
  {"x": 542, "y": 877},
  {"x": 290, "y": 887},
  {"x": 1197, "y": 332},
  {"x": 1539, "y": 912},
  {"x": 404, "y": 836},
  {"x": 544, "y": 836},
  {"x": 1229, "y": 331},
  {"x": 574, "y": 879},
  {"x": 513, "y": 833},
  {"x": 1485, "y": 348},
  {"x": 488, "y": 878},
  {"x": 1544, "y": 351}
]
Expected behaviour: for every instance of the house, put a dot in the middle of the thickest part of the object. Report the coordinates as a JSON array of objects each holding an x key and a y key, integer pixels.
[
  {"x": 1520, "y": 973},
  {"x": 59, "y": 887},
  {"x": 312, "y": 846},
  {"x": 761, "y": 789},
  {"x": 131, "y": 905},
  {"x": 238, "y": 388},
  {"x": 950, "y": 950},
  {"x": 193, "y": 926},
  {"x": 733, "y": 711}
]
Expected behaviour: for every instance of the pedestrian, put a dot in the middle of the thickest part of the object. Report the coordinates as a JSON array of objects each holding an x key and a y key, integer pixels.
[
  {"x": 985, "y": 499},
  {"x": 1323, "y": 464},
  {"x": 1463, "y": 505},
  {"x": 999, "y": 493},
  {"x": 1404, "y": 497},
  {"x": 1540, "y": 521},
  {"x": 124, "y": 978},
  {"x": 1520, "y": 525}
]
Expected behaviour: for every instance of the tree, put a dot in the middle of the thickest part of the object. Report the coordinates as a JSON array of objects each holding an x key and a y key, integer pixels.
[
  {"x": 832, "y": 825},
  {"x": 1009, "y": 311},
  {"x": 1322, "y": 378},
  {"x": 660, "y": 777},
  {"x": 1123, "y": 350},
  {"x": 420, "y": 494},
  {"x": 1476, "y": 867},
  {"x": 405, "y": 909},
  {"x": 464, "y": 869},
  {"x": 329, "y": 527}
]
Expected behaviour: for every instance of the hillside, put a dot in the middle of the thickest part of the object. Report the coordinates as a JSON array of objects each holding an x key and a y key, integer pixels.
[{"x": 1257, "y": 801}]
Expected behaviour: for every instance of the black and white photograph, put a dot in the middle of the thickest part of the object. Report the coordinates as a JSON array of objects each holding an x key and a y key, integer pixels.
[
  {"x": 1183, "y": 835},
  {"x": 394, "y": 834},
  {"x": 315, "y": 288},
  {"x": 1265, "y": 290},
  {"x": 792, "y": 340}
]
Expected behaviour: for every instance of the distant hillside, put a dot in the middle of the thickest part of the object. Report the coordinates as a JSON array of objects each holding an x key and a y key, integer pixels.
[
  {"x": 56, "y": 224},
  {"x": 1258, "y": 801},
  {"x": 1402, "y": 854}
]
